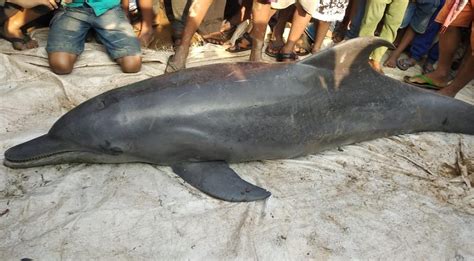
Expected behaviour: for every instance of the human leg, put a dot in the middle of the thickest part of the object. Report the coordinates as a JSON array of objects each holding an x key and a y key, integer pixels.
[
  {"x": 401, "y": 41},
  {"x": 340, "y": 29},
  {"x": 243, "y": 14},
  {"x": 357, "y": 15},
  {"x": 146, "y": 30},
  {"x": 433, "y": 53},
  {"x": 463, "y": 77},
  {"x": 392, "y": 19},
  {"x": 277, "y": 41},
  {"x": 66, "y": 37},
  {"x": 197, "y": 11},
  {"x": 261, "y": 14},
  {"x": 374, "y": 11},
  {"x": 448, "y": 43},
  {"x": 229, "y": 25},
  {"x": 61, "y": 62},
  {"x": 464, "y": 74},
  {"x": 321, "y": 31},
  {"x": 12, "y": 27},
  {"x": 300, "y": 20},
  {"x": 130, "y": 63},
  {"x": 407, "y": 38},
  {"x": 422, "y": 43},
  {"x": 116, "y": 34}
]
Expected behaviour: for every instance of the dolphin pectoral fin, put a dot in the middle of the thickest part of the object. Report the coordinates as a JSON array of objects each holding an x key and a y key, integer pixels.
[{"x": 218, "y": 180}]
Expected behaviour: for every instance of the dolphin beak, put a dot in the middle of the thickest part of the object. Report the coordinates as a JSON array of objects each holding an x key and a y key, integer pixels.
[{"x": 42, "y": 147}]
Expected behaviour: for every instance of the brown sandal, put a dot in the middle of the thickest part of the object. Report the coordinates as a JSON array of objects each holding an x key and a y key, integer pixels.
[
  {"x": 219, "y": 38},
  {"x": 239, "y": 47}
]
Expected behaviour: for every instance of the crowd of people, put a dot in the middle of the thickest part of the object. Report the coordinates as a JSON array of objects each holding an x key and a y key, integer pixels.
[{"x": 431, "y": 32}]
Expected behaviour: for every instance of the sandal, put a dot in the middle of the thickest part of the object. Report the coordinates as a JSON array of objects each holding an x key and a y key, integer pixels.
[
  {"x": 20, "y": 44},
  {"x": 303, "y": 46},
  {"x": 339, "y": 33},
  {"x": 286, "y": 57},
  {"x": 427, "y": 82},
  {"x": 404, "y": 64},
  {"x": 220, "y": 38},
  {"x": 272, "y": 50},
  {"x": 427, "y": 68},
  {"x": 240, "y": 46}
]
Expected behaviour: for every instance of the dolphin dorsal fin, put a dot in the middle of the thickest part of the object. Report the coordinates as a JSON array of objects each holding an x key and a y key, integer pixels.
[{"x": 350, "y": 55}]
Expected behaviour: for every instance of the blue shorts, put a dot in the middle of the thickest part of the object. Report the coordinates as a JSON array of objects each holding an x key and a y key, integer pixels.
[
  {"x": 418, "y": 14},
  {"x": 69, "y": 27}
]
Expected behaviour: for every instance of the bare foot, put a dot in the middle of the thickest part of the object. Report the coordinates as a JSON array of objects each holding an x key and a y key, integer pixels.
[
  {"x": 376, "y": 66},
  {"x": 391, "y": 62},
  {"x": 146, "y": 36},
  {"x": 177, "y": 61},
  {"x": 20, "y": 41}
]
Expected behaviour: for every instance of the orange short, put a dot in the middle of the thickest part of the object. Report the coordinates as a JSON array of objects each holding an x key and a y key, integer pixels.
[{"x": 464, "y": 19}]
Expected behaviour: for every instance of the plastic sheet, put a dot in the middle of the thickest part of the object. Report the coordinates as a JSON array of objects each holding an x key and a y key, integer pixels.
[{"x": 400, "y": 197}]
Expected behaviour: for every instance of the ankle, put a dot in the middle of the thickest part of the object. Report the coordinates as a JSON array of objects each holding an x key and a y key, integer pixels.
[
  {"x": 12, "y": 27},
  {"x": 181, "y": 50}
]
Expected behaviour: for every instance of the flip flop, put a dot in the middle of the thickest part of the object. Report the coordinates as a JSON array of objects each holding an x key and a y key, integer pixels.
[
  {"x": 237, "y": 47},
  {"x": 404, "y": 64},
  {"x": 19, "y": 44},
  {"x": 427, "y": 82}
]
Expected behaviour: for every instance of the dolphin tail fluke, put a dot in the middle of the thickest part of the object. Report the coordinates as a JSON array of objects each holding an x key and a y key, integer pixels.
[
  {"x": 218, "y": 180},
  {"x": 352, "y": 53},
  {"x": 36, "y": 152}
]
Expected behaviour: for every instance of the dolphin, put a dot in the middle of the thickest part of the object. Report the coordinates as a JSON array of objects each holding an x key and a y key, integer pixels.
[{"x": 200, "y": 119}]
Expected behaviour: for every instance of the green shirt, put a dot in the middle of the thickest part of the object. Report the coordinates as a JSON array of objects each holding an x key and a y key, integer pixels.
[{"x": 99, "y": 6}]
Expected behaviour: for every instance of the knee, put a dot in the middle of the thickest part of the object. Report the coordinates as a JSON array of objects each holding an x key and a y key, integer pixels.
[
  {"x": 130, "y": 64},
  {"x": 60, "y": 64},
  {"x": 61, "y": 68}
]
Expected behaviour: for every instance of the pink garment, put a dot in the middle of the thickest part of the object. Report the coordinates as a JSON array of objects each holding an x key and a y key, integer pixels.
[{"x": 456, "y": 8}]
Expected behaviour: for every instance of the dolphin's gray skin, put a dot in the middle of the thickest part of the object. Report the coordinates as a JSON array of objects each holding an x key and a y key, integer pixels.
[{"x": 197, "y": 120}]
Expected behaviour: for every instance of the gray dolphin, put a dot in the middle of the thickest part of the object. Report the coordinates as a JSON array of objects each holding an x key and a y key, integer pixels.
[{"x": 200, "y": 119}]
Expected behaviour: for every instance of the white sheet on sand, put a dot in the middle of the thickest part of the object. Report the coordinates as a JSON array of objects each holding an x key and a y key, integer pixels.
[{"x": 403, "y": 196}]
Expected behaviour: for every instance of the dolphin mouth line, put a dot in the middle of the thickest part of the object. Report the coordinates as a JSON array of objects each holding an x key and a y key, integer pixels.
[{"x": 38, "y": 157}]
